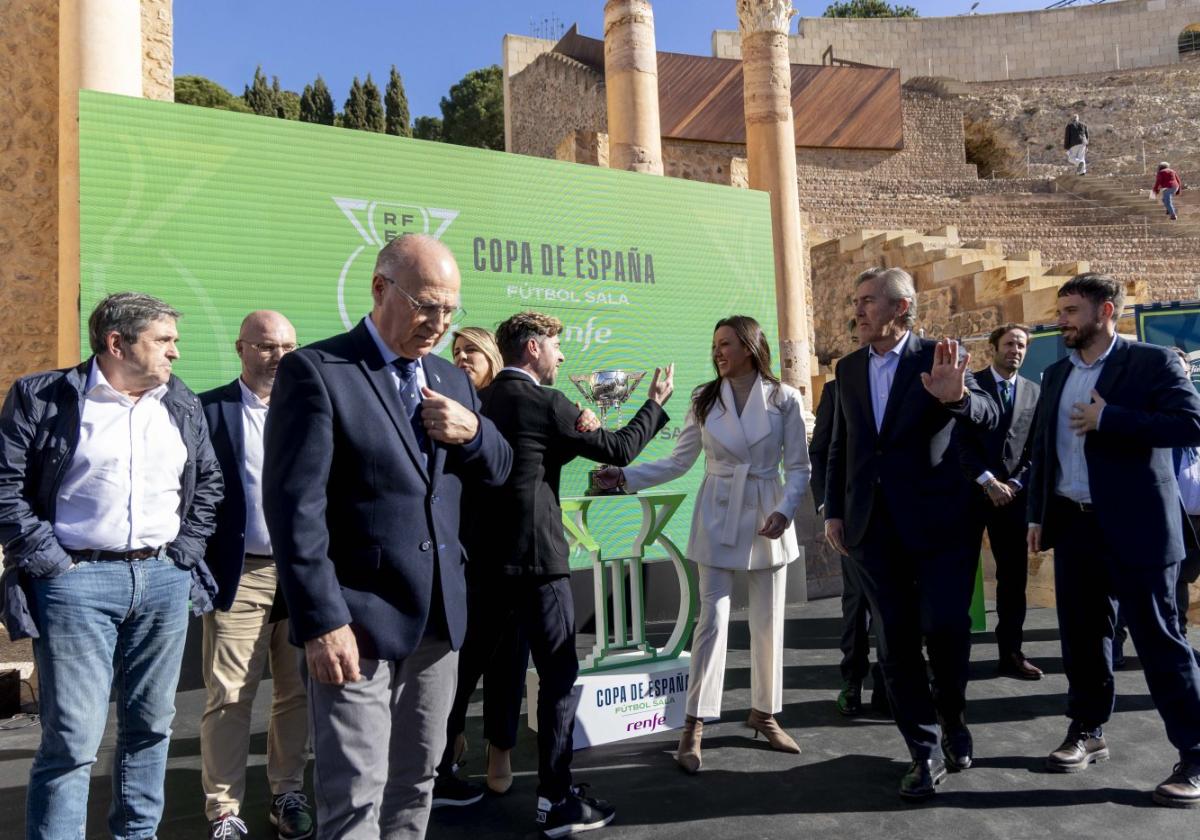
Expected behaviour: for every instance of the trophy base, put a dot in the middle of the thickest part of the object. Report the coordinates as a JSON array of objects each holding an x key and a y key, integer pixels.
[{"x": 594, "y": 488}]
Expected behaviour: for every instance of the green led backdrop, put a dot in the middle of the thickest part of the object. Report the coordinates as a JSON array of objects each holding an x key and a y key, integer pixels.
[{"x": 221, "y": 213}]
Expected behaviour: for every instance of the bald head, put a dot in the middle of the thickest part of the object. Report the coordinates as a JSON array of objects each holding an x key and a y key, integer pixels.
[
  {"x": 265, "y": 337},
  {"x": 415, "y": 288}
]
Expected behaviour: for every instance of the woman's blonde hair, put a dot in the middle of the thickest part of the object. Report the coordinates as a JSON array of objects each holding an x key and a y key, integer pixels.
[{"x": 486, "y": 343}]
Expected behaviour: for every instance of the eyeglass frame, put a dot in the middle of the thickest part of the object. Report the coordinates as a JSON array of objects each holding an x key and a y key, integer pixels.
[
  {"x": 261, "y": 346},
  {"x": 452, "y": 314}
]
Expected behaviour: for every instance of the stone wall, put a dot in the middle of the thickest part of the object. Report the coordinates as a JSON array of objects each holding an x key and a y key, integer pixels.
[
  {"x": 158, "y": 50},
  {"x": 518, "y": 52},
  {"x": 28, "y": 187},
  {"x": 549, "y": 99},
  {"x": 1018, "y": 45}
]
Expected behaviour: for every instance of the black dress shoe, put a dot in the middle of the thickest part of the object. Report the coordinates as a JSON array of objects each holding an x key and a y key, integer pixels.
[
  {"x": 1016, "y": 665},
  {"x": 1076, "y": 753},
  {"x": 958, "y": 747},
  {"x": 921, "y": 779},
  {"x": 849, "y": 699},
  {"x": 1182, "y": 788},
  {"x": 880, "y": 705}
]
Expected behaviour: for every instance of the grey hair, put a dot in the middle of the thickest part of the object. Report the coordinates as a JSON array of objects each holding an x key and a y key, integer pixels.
[
  {"x": 898, "y": 285},
  {"x": 400, "y": 257},
  {"x": 127, "y": 314}
]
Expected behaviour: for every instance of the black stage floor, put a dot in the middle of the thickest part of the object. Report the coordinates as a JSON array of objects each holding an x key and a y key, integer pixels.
[{"x": 843, "y": 785}]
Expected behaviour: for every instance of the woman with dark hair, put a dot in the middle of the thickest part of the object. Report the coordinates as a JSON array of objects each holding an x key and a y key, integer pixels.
[{"x": 748, "y": 424}]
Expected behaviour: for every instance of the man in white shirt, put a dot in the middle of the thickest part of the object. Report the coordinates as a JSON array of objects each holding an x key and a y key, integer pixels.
[
  {"x": 108, "y": 489},
  {"x": 248, "y": 630}
]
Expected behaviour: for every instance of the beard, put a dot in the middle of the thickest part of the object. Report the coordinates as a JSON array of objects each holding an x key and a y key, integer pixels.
[{"x": 1081, "y": 336}]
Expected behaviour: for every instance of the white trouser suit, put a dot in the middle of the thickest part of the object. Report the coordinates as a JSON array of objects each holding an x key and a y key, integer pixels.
[{"x": 741, "y": 488}]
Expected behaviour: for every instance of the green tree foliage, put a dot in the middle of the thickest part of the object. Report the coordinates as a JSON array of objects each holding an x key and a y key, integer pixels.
[
  {"x": 395, "y": 103},
  {"x": 473, "y": 113},
  {"x": 868, "y": 9},
  {"x": 427, "y": 128},
  {"x": 258, "y": 95},
  {"x": 316, "y": 103},
  {"x": 197, "y": 90},
  {"x": 354, "y": 112},
  {"x": 374, "y": 114},
  {"x": 287, "y": 102}
]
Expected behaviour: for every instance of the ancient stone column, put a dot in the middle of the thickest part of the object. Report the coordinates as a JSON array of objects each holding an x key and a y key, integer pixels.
[
  {"x": 771, "y": 160},
  {"x": 100, "y": 48},
  {"x": 631, "y": 85}
]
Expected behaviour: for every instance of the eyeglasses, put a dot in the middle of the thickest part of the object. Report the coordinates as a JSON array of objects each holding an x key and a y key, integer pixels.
[
  {"x": 431, "y": 311},
  {"x": 268, "y": 348}
]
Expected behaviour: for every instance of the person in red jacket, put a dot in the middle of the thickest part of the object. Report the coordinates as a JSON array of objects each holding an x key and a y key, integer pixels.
[{"x": 1167, "y": 182}]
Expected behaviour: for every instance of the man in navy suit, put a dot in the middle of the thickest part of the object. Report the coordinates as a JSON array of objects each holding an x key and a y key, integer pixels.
[
  {"x": 369, "y": 442},
  {"x": 1102, "y": 494},
  {"x": 895, "y": 502},
  {"x": 245, "y": 632},
  {"x": 997, "y": 462}
]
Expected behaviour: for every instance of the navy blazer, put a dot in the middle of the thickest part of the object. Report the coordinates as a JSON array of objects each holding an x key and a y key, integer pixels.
[
  {"x": 1004, "y": 451},
  {"x": 822, "y": 435},
  {"x": 227, "y": 546},
  {"x": 1151, "y": 407},
  {"x": 357, "y": 519},
  {"x": 909, "y": 460}
]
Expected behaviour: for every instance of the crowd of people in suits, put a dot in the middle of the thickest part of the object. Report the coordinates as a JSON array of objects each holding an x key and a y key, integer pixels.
[{"x": 396, "y": 517}]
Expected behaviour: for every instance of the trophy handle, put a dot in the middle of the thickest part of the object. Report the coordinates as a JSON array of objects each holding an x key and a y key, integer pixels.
[{"x": 583, "y": 386}]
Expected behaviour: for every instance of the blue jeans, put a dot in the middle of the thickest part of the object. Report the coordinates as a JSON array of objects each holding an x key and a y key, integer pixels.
[
  {"x": 97, "y": 621},
  {"x": 1168, "y": 196}
]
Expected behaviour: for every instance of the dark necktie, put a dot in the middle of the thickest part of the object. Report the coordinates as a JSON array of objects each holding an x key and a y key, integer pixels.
[
  {"x": 1006, "y": 397},
  {"x": 410, "y": 398}
]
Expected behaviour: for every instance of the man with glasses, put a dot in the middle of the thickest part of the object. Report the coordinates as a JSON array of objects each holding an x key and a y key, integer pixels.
[
  {"x": 369, "y": 443},
  {"x": 246, "y": 631}
]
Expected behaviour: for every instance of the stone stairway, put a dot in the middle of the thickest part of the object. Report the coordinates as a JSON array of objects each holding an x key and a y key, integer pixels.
[{"x": 1124, "y": 197}]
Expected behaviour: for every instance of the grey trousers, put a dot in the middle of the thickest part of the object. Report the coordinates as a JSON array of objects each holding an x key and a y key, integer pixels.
[{"x": 377, "y": 742}]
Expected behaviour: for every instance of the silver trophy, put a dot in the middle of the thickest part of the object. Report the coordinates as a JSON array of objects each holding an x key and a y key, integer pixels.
[{"x": 607, "y": 390}]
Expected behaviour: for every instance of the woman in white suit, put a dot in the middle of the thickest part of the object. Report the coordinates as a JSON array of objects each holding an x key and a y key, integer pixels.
[{"x": 748, "y": 424}]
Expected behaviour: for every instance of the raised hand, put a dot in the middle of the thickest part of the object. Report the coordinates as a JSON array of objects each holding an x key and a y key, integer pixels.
[
  {"x": 947, "y": 380},
  {"x": 445, "y": 420},
  {"x": 663, "y": 385}
]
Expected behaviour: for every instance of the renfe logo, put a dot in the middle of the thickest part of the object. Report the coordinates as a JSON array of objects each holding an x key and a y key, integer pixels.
[{"x": 646, "y": 724}]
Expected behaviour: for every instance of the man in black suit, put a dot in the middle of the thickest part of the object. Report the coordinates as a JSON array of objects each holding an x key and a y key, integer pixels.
[
  {"x": 997, "y": 462},
  {"x": 516, "y": 538},
  {"x": 369, "y": 444},
  {"x": 856, "y": 614},
  {"x": 248, "y": 631},
  {"x": 896, "y": 503},
  {"x": 1103, "y": 495}
]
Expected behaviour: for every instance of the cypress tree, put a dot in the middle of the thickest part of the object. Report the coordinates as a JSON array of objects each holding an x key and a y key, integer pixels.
[
  {"x": 258, "y": 95},
  {"x": 308, "y": 110},
  {"x": 374, "y": 114},
  {"x": 322, "y": 102},
  {"x": 354, "y": 112},
  {"x": 396, "y": 104}
]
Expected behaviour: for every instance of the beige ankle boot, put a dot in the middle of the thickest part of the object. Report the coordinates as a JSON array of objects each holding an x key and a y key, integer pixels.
[
  {"x": 499, "y": 769},
  {"x": 688, "y": 755},
  {"x": 764, "y": 724}
]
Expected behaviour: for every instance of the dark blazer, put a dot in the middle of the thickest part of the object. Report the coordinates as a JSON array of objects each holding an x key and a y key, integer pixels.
[
  {"x": 357, "y": 520},
  {"x": 818, "y": 448},
  {"x": 909, "y": 460},
  {"x": 1151, "y": 408},
  {"x": 1004, "y": 451},
  {"x": 517, "y": 529},
  {"x": 227, "y": 545}
]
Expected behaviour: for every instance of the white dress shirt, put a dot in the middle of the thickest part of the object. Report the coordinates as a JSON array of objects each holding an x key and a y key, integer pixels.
[
  {"x": 1072, "y": 480},
  {"x": 986, "y": 476},
  {"x": 881, "y": 372},
  {"x": 254, "y": 420},
  {"x": 122, "y": 490}
]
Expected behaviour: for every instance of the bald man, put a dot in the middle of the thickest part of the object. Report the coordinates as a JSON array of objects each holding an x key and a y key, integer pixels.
[
  {"x": 246, "y": 631},
  {"x": 369, "y": 444}
]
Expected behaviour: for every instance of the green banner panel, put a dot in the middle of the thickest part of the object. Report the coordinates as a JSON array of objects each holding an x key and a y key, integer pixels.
[{"x": 221, "y": 213}]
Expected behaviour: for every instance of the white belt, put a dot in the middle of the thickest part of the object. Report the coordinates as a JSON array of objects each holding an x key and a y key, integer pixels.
[{"x": 738, "y": 474}]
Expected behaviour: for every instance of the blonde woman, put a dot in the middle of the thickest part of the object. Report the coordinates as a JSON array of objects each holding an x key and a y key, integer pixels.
[
  {"x": 475, "y": 353},
  {"x": 749, "y": 425}
]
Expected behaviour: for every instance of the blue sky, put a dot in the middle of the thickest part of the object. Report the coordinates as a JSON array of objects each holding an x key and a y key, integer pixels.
[{"x": 432, "y": 44}]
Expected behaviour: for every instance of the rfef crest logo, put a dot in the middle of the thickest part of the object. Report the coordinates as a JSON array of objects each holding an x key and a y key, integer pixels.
[{"x": 379, "y": 222}]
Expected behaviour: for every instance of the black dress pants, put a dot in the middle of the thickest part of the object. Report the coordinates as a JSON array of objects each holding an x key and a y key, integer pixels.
[
  {"x": 1007, "y": 528},
  {"x": 919, "y": 593}
]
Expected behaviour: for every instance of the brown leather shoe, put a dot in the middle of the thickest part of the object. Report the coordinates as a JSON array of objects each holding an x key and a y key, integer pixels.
[
  {"x": 1076, "y": 753},
  {"x": 1182, "y": 788},
  {"x": 499, "y": 770},
  {"x": 688, "y": 754},
  {"x": 1016, "y": 665},
  {"x": 764, "y": 724}
]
